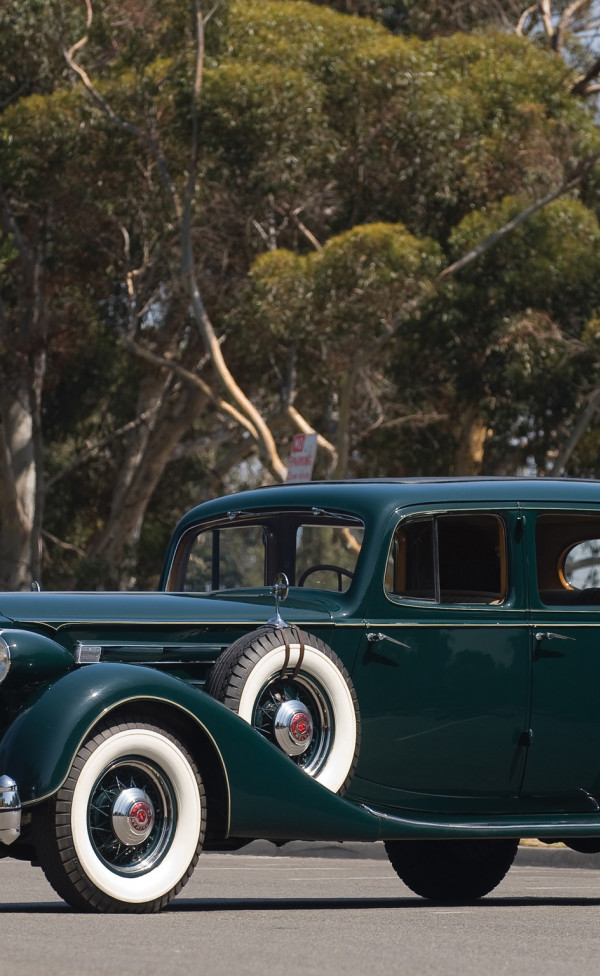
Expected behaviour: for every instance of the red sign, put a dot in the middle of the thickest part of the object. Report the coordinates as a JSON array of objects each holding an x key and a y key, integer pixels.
[{"x": 302, "y": 457}]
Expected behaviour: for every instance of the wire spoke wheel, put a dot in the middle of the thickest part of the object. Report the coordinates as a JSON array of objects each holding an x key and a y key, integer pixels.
[
  {"x": 306, "y": 731},
  {"x": 131, "y": 816},
  {"x": 124, "y": 833}
]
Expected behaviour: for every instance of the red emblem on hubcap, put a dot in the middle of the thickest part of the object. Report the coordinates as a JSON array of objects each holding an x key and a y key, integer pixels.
[
  {"x": 301, "y": 727},
  {"x": 140, "y": 816}
]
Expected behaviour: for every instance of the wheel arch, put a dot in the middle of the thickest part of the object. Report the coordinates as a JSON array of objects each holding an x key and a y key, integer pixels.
[
  {"x": 200, "y": 745},
  {"x": 39, "y": 747}
]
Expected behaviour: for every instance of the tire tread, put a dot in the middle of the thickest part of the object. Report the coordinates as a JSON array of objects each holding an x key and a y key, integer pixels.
[
  {"x": 54, "y": 842},
  {"x": 452, "y": 870}
]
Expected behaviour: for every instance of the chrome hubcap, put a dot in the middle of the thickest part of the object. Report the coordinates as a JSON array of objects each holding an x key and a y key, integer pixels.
[
  {"x": 295, "y": 713},
  {"x": 132, "y": 813},
  {"x": 132, "y": 816},
  {"x": 293, "y": 727}
]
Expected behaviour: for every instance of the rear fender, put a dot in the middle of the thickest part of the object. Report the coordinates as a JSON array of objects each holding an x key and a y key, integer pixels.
[{"x": 269, "y": 796}]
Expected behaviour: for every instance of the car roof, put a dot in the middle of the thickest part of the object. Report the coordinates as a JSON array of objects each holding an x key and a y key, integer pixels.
[{"x": 366, "y": 497}]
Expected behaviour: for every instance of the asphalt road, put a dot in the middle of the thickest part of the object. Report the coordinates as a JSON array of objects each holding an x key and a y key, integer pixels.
[{"x": 315, "y": 916}]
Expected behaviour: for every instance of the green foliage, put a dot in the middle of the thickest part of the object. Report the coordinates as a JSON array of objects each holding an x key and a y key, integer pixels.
[
  {"x": 305, "y": 37},
  {"x": 363, "y": 278},
  {"x": 39, "y": 137},
  {"x": 428, "y": 18},
  {"x": 340, "y": 168},
  {"x": 458, "y": 123},
  {"x": 550, "y": 262},
  {"x": 330, "y": 309},
  {"x": 31, "y": 35},
  {"x": 8, "y": 253},
  {"x": 263, "y": 127},
  {"x": 363, "y": 8},
  {"x": 424, "y": 132},
  {"x": 516, "y": 339}
]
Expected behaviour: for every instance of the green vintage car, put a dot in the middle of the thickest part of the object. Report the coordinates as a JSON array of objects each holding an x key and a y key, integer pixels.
[{"x": 413, "y": 661}]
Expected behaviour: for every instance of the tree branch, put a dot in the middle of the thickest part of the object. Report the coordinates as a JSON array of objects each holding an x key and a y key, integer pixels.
[
  {"x": 67, "y": 546},
  {"x": 150, "y": 141},
  {"x": 492, "y": 239},
  {"x": 348, "y": 385},
  {"x": 565, "y": 20},
  {"x": 246, "y": 409},
  {"x": 563, "y": 457},
  {"x": 582, "y": 85},
  {"x": 222, "y": 405},
  {"x": 520, "y": 28},
  {"x": 303, "y": 426},
  {"x": 93, "y": 449},
  {"x": 546, "y": 12}
]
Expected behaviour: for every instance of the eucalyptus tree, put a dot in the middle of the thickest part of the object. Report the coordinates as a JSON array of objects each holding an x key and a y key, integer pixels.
[
  {"x": 429, "y": 135},
  {"x": 154, "y": 159}
]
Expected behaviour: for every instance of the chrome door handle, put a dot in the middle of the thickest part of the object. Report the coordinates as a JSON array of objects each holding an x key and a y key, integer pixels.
[
  {"x": 374, "y": 637},
  {"x": 550, "y": 635}
]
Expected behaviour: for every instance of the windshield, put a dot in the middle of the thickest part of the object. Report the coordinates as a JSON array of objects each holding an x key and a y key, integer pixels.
[{"x": 247, "y": 552}]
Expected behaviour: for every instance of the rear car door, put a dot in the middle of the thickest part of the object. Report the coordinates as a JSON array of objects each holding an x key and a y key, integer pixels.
[
  {"x": 563, "y": 764},
  {"x": 443, "y": 680}
]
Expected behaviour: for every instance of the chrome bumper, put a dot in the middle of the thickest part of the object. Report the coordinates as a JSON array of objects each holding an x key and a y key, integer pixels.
[{"x": 10, "y": 810}]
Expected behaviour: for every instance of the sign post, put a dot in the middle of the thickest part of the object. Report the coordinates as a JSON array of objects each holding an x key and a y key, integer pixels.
[{"x": 302, "y": 457}]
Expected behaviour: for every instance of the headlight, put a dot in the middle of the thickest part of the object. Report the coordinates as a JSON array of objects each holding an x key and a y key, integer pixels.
[{"x": 4, "y": 659}]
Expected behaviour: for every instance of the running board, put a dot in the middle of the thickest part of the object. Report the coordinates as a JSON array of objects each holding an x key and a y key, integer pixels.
[{"x": 443, "y": 827}]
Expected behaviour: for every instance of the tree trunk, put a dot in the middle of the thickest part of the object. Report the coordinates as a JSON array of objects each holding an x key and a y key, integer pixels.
[
  {"x": 23, "y": 341},
  {"x": 468, "y": 459},
  {"x": 148, "y": 453},
  {"x": 19, "y": 521}
]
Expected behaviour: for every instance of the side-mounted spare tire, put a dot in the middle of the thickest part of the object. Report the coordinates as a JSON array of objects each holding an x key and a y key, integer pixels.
[{"x": 295, "y": 691}]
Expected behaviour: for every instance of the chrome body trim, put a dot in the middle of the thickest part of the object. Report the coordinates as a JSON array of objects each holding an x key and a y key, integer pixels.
[
  {"x": 4, "y": 657},
  {"x": 87, "y": 653},
  {"x": 10, "y": 810}
]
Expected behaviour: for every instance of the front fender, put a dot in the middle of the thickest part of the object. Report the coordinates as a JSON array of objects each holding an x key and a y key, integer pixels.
[
  {"x": 38, "y": 748},
  {"x": 35, "y": 658},
  {"x": 269, "y": 796}
]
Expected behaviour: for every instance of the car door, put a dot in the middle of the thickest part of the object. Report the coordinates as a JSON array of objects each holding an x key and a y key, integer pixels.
[
  {"x": 563, "y": 763},
  {"x": 443, "y": 679}
]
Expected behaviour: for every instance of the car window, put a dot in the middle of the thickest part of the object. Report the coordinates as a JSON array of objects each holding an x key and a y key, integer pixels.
[
  {"x": 242, "y": 555},
  {"x": 568, "y": 559},
  {"x": 581, "y": 567},
  {"x": 224, "y": 559},
  {"x": 449, "y": 559},
  {"x": 326, "y": 555}
]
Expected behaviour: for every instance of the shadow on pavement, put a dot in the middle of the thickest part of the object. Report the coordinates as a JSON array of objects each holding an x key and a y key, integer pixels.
[
  {"x": 201, "y": 905},
  {"x": 354, "y": 904}
]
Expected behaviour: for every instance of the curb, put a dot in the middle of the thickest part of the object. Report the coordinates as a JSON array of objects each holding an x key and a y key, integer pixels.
[
  {"x": 555, "y": 857},
  {"x": 535, "y": 857}
]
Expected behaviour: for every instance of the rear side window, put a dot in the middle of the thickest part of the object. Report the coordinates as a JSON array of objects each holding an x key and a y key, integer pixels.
[
  {"x": 568, "y": 559},
  {"x": 449, "y": 559}
]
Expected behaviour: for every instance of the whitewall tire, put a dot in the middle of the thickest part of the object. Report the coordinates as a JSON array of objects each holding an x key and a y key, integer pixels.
[
  {"x": 125, "y": 831},
  {"x": 294, "y": 690}
]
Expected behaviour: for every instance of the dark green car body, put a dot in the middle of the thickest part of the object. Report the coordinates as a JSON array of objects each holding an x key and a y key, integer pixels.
[{"x": 463, "y": 613}]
